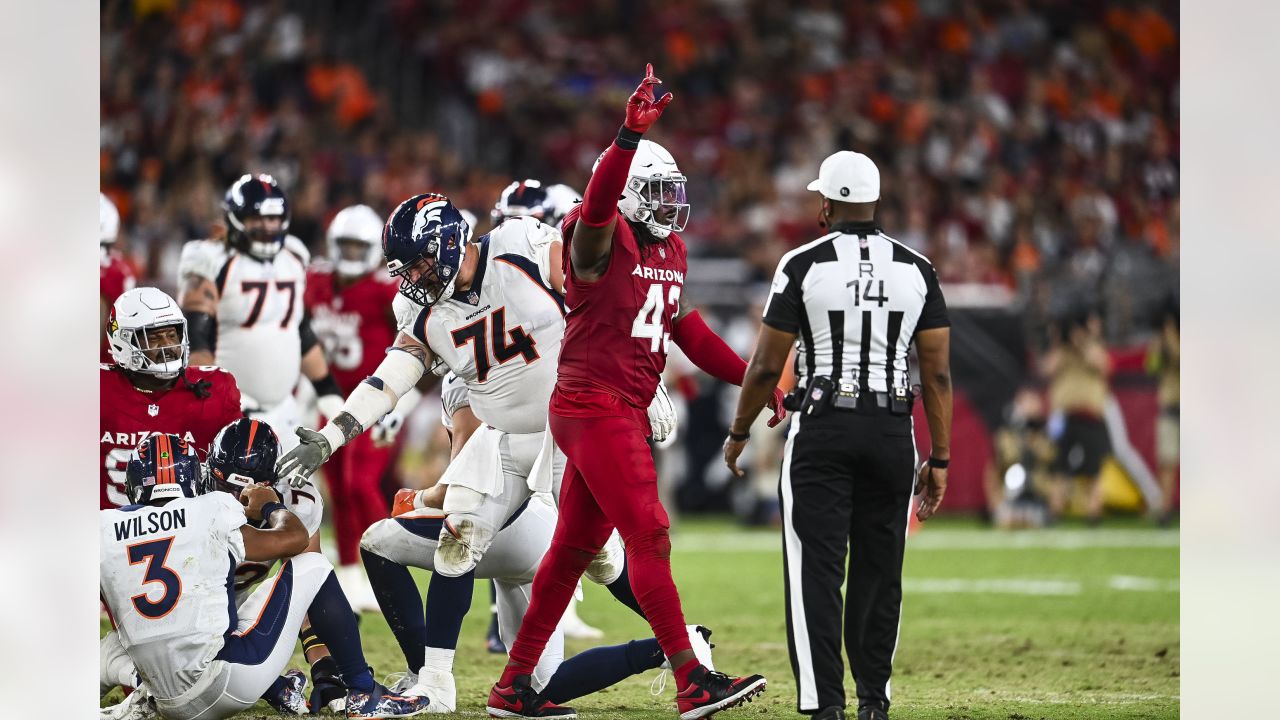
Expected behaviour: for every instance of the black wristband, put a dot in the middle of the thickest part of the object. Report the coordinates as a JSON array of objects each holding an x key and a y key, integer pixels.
[
  {"x": 738, "y": 437},
  {"x": 202, "y": 331},
  {"x": 326, "y": 386},
  {"x": 938, "y": 464},
  {"x": 628, "y": 139},
  {"x": 270, "y": 509}
]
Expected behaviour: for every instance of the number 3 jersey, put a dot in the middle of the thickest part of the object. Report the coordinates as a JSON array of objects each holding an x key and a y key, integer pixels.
[
  {"x": 502, "y": 335},
  {"x": 354, "y": 322},
  {"x": 128, "y": 416},
  {"x": 259, "y": 310},
  {"x": 619, "y": 327},
  {"x": 165, "y": 578}
]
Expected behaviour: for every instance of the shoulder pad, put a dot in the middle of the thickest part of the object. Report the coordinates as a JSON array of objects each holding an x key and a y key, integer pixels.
[
  {"x": 406, "y": 312},
  {"x": 294, "y": 244},
  {"x": 204, "y": 258}
]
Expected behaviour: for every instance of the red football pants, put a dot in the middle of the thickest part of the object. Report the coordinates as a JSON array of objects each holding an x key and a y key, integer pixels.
[
  {"x": 609, "y": 480},
  {"x": 355, "y": 474}
]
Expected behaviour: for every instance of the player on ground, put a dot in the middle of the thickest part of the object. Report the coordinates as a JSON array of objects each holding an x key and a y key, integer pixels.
[
  {"x": 349, "y": 298},
  {"x": 148, "y": 387},
  {"x": 624, "y": 269},
  {"x": 180, "y": 637},
  {"x": 243, "y": 304},
  {"x": 115, "y": 277}
]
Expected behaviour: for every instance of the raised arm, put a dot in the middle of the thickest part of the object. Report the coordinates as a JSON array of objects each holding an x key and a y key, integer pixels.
[{"x": 593, "y": 233}]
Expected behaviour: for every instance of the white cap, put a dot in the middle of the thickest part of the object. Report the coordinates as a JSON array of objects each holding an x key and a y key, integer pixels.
[{"x": 847, "y": 176}]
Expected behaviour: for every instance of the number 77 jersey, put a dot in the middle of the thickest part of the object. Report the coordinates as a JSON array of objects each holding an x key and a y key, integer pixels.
[{"x": 502, "y": 335}]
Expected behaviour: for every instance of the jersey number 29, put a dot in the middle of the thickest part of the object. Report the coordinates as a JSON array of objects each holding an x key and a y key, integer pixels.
[{"x": 648, "y": 322}]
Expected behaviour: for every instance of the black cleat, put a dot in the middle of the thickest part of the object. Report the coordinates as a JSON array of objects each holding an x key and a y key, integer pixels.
[{"x": 709, "y": 692}]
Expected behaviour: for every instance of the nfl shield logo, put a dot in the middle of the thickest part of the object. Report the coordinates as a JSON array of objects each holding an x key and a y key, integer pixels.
[{"x": 153, "y": 410}]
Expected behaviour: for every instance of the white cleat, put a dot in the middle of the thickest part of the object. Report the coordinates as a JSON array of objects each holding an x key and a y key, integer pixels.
[
  {"x": 575, "y": 627},
  {"x": 138, "y": 706},
  {"x": 439, "y": 688},
  {"x": 357, "y": 588}
]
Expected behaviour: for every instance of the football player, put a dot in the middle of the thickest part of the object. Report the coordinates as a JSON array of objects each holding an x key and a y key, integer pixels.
[
  {"x": 243, "y": 300},
  {"x": 149, "y": 388},
  {"x": 408, "y": 538},
  {"x": 625, "y": 268},
  {"x": 349, "y": 298},
  {"x": 530, "y": 198},
  {"x": 179, "y": 636},
  {"x": 115, "y": 277}
]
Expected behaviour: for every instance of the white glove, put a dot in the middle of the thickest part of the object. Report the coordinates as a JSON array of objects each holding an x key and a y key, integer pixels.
[
  {"x": 384, "y": 432},
  {"x": 662, "y": 416},
  {"x": 330, "y": 405}
]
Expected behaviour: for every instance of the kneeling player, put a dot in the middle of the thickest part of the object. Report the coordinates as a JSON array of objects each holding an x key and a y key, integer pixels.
[{"x": 164, "y": 577}]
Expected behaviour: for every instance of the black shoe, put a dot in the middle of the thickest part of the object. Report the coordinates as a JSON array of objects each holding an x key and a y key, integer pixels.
[
  {"x": 326, "y": 685},
  {"x": 520, "y": 700},
  {"x": 830, "y": 713},
  {"x": 868, "y": 712},
  {"x": 709, "y": 692}
]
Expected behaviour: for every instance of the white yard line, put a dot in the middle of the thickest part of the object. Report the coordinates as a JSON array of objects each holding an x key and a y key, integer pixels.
[
  {"x": 935, "y": 540},
  {"x": 1142, "y": 584},
  {"x": 998, "y": 586}
]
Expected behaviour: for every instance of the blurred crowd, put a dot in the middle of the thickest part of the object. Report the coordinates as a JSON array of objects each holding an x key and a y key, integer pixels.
[{"x": 1031, "y": 146}]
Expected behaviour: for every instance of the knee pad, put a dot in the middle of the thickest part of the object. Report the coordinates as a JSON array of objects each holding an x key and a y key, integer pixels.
[
  {"x": 464, "y": 539},
  {"x": 608, "y": 563}
]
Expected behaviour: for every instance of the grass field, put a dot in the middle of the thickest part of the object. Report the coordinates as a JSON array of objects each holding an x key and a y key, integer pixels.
[{"x": 1063, "y": 623}]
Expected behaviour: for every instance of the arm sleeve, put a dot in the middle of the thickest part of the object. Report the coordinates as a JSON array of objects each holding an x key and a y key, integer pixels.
[
  {"x": 600, "y": 201},
  {"x": 785, "y": 306},
  {"x": 707, "y": 350},
  {"x": 934, "y": 313}
]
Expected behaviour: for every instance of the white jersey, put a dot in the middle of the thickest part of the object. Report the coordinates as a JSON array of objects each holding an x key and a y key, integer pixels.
[
  {"x": 259, "y": 310},
  {"x": 165, "y": 577},
  {"x": 453, "y": 397},
  {"x": 502, "y": 336},
  {"x": 305, "y": 502}
]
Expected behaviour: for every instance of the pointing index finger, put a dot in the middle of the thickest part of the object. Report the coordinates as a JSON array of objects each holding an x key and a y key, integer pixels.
[{"x": 649, "y": 77}]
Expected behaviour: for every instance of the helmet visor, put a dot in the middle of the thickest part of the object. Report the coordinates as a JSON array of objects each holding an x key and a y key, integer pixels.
[{"x": 667, "y": 200}]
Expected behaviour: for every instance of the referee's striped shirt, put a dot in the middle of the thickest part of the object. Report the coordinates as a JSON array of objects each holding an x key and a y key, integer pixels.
[{"x": 856, "y": 298}]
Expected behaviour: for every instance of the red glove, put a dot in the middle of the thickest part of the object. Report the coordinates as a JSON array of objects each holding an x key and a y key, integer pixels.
[
  {"x": 775, "y": 404},
  {"x": 642, "y": 109}
]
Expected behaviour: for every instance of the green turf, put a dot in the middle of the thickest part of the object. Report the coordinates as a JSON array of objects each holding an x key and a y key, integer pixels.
[{"x": 1104, "y": 646}]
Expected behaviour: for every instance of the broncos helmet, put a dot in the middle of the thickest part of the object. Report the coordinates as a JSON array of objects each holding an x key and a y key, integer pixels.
[
  {"x": 522, "y": 199},
  {"x": 163, "y": 467},
  {"x": 255, "y": 196},
  {"x": 244, "y": 453},
  {"x": 424, "y": 242}
]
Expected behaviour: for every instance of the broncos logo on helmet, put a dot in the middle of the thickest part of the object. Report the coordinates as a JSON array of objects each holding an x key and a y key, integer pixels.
[{"x": 425, "y": 241}]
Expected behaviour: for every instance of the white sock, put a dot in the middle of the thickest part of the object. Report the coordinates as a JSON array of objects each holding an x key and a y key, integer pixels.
[{"x": 437, "y": 660}]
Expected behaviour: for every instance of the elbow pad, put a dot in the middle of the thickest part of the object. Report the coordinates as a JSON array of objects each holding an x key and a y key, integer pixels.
[{"x": 202, "y": 331}]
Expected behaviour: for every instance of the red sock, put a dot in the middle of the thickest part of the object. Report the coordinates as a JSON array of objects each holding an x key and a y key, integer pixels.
[
  {"x": 509, "y": 673},
  {"x": 682, "y": 673}
]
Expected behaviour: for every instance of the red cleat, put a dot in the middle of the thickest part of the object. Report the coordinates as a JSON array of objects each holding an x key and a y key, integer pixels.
[
  {"x": 709, "y": 692},
  {"x": 520, "y": 700}
]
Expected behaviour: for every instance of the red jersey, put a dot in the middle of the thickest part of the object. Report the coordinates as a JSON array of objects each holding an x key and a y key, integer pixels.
[
  {"x": 355, "y": 323},
  {"x": 115, "y": 278},
  {"x": 130, "y": 415},
  {"x": 618, "y": 328}
]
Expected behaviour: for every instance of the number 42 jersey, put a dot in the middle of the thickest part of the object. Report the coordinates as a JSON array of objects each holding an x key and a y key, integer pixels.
[
  {"x": 502, "y": 335},
  {"x": 165, "y": 578}
]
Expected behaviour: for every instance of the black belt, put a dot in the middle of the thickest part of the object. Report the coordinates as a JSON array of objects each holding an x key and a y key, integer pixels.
[{"x": 822, "y": 394}]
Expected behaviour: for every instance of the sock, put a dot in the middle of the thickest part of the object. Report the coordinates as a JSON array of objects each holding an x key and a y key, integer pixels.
[
  {"x": 335, "y": 624},
  {"x": 438, "y": 660},
  {"x": 622, "y": 592},
  {"x": 598, "y": 668},
  {"x": 448, "y": 600},
  {"x": 682, "y": 673},
  {"x": 397, "y": 594},
  {"x": 310, "y": 641}
]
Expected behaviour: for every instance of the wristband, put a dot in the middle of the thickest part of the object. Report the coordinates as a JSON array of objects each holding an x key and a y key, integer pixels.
[
  {"x": 628, "y": 139},
  {"x": 738, "y": 437},
  {"x": 270, "y": 508},
  {"x": 938, "y": 464}
]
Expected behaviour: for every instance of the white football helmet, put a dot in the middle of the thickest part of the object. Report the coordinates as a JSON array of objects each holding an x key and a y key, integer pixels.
[
  {"x": 562, "y": 198},
  {"x": 108, "y": 221},
  {"x": 134, "y": 313},
  {"x": 655, "y": 184},
  {"x": 361, "y": 224}
]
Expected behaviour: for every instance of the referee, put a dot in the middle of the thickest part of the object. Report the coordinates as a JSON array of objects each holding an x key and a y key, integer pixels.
[{"x": 856, "y": 299}]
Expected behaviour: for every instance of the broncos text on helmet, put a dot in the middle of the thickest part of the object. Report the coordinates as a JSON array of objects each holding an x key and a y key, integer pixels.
[{"x": 163, "y": 467}]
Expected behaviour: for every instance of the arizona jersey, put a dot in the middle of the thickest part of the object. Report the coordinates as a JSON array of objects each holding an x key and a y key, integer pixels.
[
  {"x": 619, "y": 327},
  {"x": 259, "y": 310},
  {"x": 305, "y": 502},
  {"x": 165, "y": 579},
  {"x": 115, "y": 278},
  {"x": 354, "y": 323},
  {"x": 129, "y": 416},
  {"x": 501, "y": 336}
]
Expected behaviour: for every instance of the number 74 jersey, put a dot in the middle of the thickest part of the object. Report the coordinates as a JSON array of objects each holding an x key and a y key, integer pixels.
[{"x": 502, "y": 335}]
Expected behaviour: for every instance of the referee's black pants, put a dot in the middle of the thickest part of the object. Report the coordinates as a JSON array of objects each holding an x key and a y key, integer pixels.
[{"x": 847, "y": 481}]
